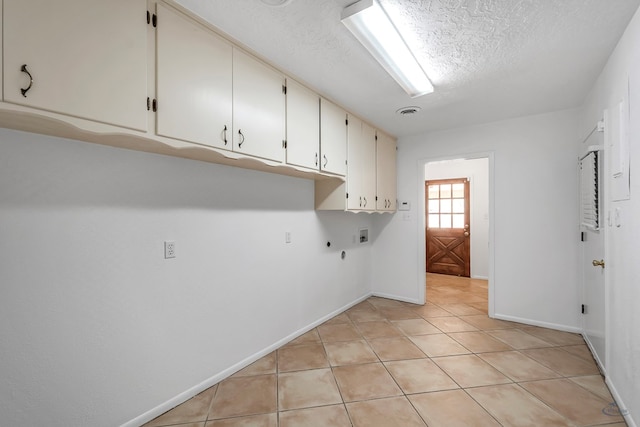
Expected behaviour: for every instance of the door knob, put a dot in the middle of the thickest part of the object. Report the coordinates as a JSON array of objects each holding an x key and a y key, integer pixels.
[
  {"x": 597, "y": 263},
  {"x": 466, "y": 234}
]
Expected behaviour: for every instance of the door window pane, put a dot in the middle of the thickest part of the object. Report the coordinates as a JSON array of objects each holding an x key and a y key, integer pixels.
[
  {"x": 458, "y": 205},
  {"x": 445, "y": 221},
  {"x": 457, "y": 191},
  {"x": 445, "y": 206},
  {"x": 434, "y": 206},
  {"x": 445, "y": 191},
  {"x": 434, "y": 221},
  {"x": 458, "y": 221},
  {"x": 434, "y": 191}
]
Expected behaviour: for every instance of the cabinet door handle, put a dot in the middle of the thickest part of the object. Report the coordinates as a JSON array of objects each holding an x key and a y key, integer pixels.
[
  {"x": 224, "y": 135},
  {"x": 25, "y": 90},
  {"x": 325, "y": 161},
  {"x": 365, "y": 201},
  {"x": 241, "y": 138},
  {"x": 316, "y": 159},
  {"x": 360, "y": 201}
]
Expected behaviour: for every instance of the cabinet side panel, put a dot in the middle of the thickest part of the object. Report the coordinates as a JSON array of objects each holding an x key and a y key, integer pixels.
[{"x": 330, "y": 195}]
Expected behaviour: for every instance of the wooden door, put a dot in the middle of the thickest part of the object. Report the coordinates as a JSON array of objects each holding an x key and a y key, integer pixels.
[{"x": 447, "y": 233}]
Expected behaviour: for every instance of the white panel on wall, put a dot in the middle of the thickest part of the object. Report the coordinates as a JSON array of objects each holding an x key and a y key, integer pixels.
[{"x": 620, "y": 162}]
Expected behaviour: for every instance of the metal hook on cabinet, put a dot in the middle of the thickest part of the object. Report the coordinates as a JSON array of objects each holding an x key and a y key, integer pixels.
[{"x": 25, "y": 90}]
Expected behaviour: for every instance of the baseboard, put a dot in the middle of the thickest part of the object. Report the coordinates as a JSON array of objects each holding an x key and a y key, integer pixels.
[
  {"x": 594, "y": 354},
  {"x": 556, "y": 326},
  {"x": 211, "y": 381},
  {"x": 621, "y": 406},
  {"x": 480, "y": 277},
  {"x": 396, "y": 297}
]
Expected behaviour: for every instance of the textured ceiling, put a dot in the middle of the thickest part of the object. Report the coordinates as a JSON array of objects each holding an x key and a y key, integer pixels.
[{"x": 488, "y": 59}]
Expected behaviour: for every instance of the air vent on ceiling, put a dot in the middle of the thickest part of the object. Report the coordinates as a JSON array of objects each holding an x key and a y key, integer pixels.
[
  {"x": 407, "y": 111},
  {"x": 276, "y": 3}
]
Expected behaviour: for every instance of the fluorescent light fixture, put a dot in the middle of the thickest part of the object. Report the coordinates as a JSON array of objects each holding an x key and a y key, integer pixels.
[{"x": 372, "y": 27}]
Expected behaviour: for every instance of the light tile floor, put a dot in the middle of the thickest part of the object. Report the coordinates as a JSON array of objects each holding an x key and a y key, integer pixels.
[{"x": 386, "y": 363}]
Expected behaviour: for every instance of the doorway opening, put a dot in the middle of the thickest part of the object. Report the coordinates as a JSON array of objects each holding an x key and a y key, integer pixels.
[{"x": 459, "y": 248}]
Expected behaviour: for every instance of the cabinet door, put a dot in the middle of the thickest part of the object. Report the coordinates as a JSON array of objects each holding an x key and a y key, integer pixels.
[
  {"x": 194, "y": 85},
  {"x": 361, "y": 152},
  {"x": 385, "y": 172},
  {"x": 303, "y": 126},
  {"x": 333, "y": 138},
  {"x": 88, "y": 58},
  {"x": 258, "y": 108}
]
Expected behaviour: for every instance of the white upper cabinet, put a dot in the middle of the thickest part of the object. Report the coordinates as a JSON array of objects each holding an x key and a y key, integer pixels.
[
  {"x": 333, "y": 138},
  {"x": 194, "y": 81},
  {"x": 361, "y": 167},
  {"x": 385, "y": 172},
  {"x": 86, "y": 58},
  {"x": 93, "y": 66},
  {"x": 258, "y": 108},
  {"x": 303, "y": 126}
]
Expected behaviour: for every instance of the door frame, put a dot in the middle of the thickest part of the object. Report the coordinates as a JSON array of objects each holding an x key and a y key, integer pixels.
[
  {"x": 422, "y": 177},
  {"x": 606, "y": 221}
]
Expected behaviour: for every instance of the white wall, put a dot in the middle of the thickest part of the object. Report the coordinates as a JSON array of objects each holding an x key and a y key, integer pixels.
[
  {"x": 534, "y": 223},
  {"x": 96, "y": 328},
  {"x": 477, "y": 170},
  {"x": 623, "y": 286}
]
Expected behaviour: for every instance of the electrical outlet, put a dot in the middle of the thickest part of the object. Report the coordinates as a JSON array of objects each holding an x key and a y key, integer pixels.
[{"x": 169, "y": 250}]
